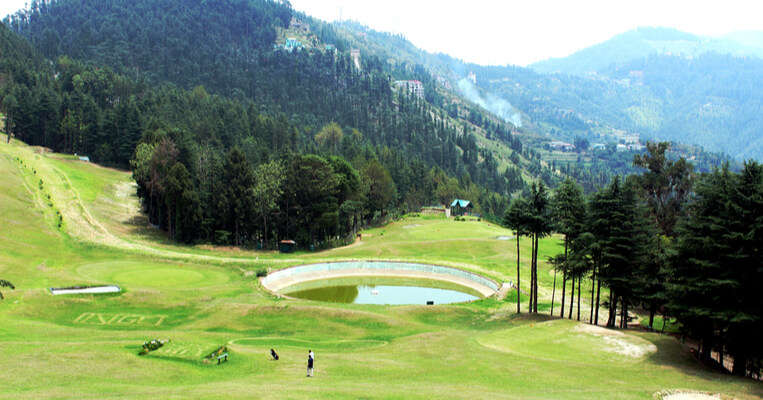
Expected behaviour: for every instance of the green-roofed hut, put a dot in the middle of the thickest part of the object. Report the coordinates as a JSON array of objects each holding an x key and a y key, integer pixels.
[{"x": 460, "y": 207}]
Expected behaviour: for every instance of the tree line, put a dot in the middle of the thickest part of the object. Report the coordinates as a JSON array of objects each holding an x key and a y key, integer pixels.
[{"x": 666, "y": 241}]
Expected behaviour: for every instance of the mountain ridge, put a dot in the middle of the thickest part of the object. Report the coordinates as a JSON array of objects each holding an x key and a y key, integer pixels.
[{"x": 645, "y": 41}]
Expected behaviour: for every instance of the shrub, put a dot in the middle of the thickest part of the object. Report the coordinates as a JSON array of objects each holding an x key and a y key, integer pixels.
[
  {"x": 262, "y": 272},
  {"x": 222, "y": 237},
  {"x": 152, "y": 345}
]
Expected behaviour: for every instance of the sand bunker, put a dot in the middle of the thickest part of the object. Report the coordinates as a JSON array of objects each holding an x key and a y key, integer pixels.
[
  {"x": 410, "y": 226},
  {"x": 618, "y": 342},
  {"x": 505, "y": 237},
  {"x": 680, "y": 395}
]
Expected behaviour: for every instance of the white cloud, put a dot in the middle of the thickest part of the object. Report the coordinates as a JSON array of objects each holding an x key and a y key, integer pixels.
[
  {"x": 11, "y": 6},
  {"x": 521, "y": 32}
]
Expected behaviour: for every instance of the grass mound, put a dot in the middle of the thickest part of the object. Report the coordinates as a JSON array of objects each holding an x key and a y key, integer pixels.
[{"x": 569, "y": 341}]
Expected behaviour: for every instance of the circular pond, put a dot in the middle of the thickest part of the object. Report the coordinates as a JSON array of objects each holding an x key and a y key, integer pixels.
[
  {"x": 379, "y": 282},
  {"x": 381, "y": 290}
]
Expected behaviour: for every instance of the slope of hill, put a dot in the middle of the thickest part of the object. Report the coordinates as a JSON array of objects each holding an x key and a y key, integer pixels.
[
  {"x": 707, "y": 100},
  {"x": 552, "y": 107},
  {"x": 201, "y": 298},
  {"x": 647, "y": 41},
  {"x": 712, "y": 100}
]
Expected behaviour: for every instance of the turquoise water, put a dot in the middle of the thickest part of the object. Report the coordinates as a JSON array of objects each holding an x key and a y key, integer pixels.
[{"x": 375, "y": 291}]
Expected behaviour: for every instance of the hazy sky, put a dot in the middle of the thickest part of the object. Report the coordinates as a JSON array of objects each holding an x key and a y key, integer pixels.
[{"x": 521, "y": 32}]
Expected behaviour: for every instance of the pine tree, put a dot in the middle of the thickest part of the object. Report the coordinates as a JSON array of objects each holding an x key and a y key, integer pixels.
[
  {"x": 665, "y": 186},
  {"x": 239, "y": 179},
  {"x": 539, "y": 225},
  {"x": 614, "y": 223},
  {"x": 267, "y": 189},
  {"x": 716, "y": 274},
  {"x": 517, "y": 219},
  {"x": 568, "y": 211}
]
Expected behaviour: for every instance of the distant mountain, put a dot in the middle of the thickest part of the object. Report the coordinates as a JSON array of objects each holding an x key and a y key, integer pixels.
[
  {"x": 643, "y": 42},
  {"x": 751, "y": 40},
  {"x": 709, "y": 99}
]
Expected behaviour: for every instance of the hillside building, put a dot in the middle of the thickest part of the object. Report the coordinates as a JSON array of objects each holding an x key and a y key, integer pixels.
[
  {"x": 414, "y": 87},
  {"x": 559, "y": 145},
  {"x": 355, "y": 55},
  {"x": 461, "y": 207},
  {"x": 625, "y": 137},
  {"x": 436, "y": 210},
  {"x": 292, "y": 44}
]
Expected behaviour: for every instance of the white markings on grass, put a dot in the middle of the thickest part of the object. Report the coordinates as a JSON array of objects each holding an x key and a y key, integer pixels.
[
  {"x": 86, "y": 290},
  {"x": 91, "y": 318}
]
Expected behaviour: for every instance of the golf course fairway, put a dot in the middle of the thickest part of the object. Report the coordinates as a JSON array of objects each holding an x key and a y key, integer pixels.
[{"x": 69, "y": 223}]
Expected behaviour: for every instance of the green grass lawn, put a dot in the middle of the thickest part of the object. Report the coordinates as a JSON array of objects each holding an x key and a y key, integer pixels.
[{"x": 200, "y": 297}]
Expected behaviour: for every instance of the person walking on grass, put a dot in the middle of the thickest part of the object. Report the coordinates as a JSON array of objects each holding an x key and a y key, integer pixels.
[{"x": 310, "y": 362}]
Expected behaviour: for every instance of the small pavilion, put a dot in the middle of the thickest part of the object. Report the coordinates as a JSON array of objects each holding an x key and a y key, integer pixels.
[{"x": 460, "y": 207}]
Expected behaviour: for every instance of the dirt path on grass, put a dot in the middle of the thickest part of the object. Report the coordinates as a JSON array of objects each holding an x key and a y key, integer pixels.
[{"x": 80, "y": 223}]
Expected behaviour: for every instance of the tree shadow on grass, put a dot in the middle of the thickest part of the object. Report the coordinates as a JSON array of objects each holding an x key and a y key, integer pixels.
[{"x": 672, "y": 354}]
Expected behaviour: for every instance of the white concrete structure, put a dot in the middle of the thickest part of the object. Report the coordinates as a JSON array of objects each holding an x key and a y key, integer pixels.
[
  {"x": 86, "y": 290},
  {"x": 281, "y": 279}
]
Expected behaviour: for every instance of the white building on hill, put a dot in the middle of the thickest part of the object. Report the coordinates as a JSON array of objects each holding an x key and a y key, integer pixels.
[
  {"x": 559, "y": 145},
  {"x": 355, "y": 55},
  {"x": 414, "y": 87}
]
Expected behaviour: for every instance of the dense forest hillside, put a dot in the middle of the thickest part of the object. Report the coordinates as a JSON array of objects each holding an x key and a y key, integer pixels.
[
  {"x": 311, "y": 85},
  {"x": 133, "y": 83},
  {"x": 711, "y": 100}
]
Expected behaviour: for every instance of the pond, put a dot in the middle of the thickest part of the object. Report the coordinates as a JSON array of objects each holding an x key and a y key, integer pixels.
[{"x": 382, "y": 290}]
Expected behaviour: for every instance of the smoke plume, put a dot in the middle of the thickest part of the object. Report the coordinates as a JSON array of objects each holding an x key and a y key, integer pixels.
[{"x": 490, "y": 102}]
